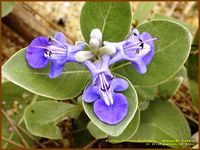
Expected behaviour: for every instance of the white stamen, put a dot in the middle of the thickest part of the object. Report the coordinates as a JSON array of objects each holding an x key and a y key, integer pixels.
[
  {"x": 107, "y": 95},
  {"x": 55, "y": 48}
]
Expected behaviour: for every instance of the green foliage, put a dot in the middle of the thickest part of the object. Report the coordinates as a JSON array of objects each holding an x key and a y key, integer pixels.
[
  {"x": 143, "y": 11},
  {"x": 129, "y": 131},
  {"x": 126, "y": 134},
  {"x": 14, "y": 100},
  {"x": 164, "y": 90},
  {"x": 169, "y": 88},
  {"x": 68, "y": 85},
  {"x": 150, "y": 117},
  {"x": 112, "y": 18},
  {"x": 193, "y": 70},
  {"x": 41, "y": 118},
  {"x": 163, "y": 123},
  {"x": 95, "y": 131},
  {"x": 115, "y": 130},
  {"x": 146, "y": 93},
  {"x": 6, "y": 8},
  {"x": 159, "y": 16},
  {"x": 165, "y": 63}
]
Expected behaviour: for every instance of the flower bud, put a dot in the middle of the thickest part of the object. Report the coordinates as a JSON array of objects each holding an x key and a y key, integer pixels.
[
  {"x": 108, "y": 49},
  {"x": 94, "y": 43},
  {"x": 96, "y": 33},
  {"x": 82, "y": 56}
]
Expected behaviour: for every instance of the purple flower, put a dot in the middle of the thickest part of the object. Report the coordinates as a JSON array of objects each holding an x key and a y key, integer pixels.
[
  {"x": 109, "y": 106},
  {"x": 139, "y": 49},
  {"x": 42, "y": 50}
]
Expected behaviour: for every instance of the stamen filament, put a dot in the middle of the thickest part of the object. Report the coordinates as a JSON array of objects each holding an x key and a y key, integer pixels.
[
  {"x": 61, "y": 44},
  {"x": 50, "y": 48}
]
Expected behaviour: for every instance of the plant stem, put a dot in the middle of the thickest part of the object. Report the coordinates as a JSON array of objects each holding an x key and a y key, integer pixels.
[
  {"x": 12, "y": 142},
  {"x": 90, "y": 144},
  {"x": 15, "y": 129},
  {"x": 29, "y": 135},
  {"x": 50, "y": 23}
]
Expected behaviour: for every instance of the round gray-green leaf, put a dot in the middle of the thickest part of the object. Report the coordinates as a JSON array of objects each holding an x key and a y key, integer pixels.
[
  {"x": 68, "y": 85},
  {"x": 162, "y": 121},
  {"x": 95, "y": 131},
  {"x": 41, "y": 117},
  {"x": 112, "y": 18},
  {"x": 126, "y": 134},
  {"x": 169, "y": 88},
  {"x": 129, "y": 131},
  {"x": 115, "y": 130},
  {"x": 164, "y": 90},
  {"x": 171, "y": 51}
]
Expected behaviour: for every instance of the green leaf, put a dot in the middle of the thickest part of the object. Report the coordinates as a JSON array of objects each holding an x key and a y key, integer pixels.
[
  {"x": 129, "y": 131},
  {"x": 95, "y": 131},
  {"x": 112, "y": 18},
  {"x": 146, "y": 93},
  {"x": 115, "y": 130},
  {"x": 6, "y": 8},
  {"x": 159, "y": 16},
  {"x": 126, "y": 134},
  {"x": 165, "y": 63},
  {"x": 68, "y": 85},
  {"x": 143, "y": 11},
  {"x": 163, "y": 122},
  {"x": 14, "y": 100},
  {"x": 169, "y": 88},
  {"x": 193, "y": 71},
  {"x": 143, "y": 104},
  {"x": 41, "y": 117},
  {"x": 164, "y": 90}
]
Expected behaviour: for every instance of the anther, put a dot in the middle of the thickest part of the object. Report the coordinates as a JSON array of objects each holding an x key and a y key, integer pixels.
[{"x": 137, "y": 51}]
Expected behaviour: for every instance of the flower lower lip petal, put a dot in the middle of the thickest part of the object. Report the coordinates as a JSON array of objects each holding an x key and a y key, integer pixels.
[{"x": 112, "y": 114}]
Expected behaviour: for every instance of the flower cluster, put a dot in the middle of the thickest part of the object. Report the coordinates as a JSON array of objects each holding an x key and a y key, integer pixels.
[{"x": 109, "y": 105}]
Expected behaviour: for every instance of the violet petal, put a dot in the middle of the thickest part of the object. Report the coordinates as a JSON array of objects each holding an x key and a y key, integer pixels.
[
  {"x": 112, "y": 114},
  {"x": 119, "y": 84},
  {"x": 56, "y": 69},
  {"x": 35, "y": 53},
  {"x": 90, "y": 95},
  {"x": 140, "y": 66},
  {"x": 148, "y": 57},
  {"x": 60, "y": 39}
]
